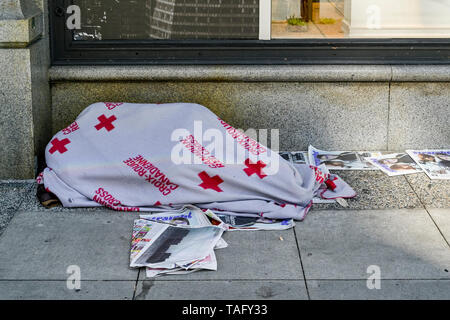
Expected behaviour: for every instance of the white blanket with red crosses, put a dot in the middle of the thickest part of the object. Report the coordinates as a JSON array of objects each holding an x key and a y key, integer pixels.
[{"x": 153, "y": 157}]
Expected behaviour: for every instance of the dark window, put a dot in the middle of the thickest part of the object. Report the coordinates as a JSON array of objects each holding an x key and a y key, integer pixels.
[{"x": 168, "y": 19}]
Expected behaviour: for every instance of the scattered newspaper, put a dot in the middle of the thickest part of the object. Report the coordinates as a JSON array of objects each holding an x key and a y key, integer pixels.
[
  {"x": 167, "y": 246},
  {"x": 295, "y": 157},
  {"x": 342, "y": 160},
  {"x": 184, "y": 241},
  {"x": 252, "y": 223},
  {"x": 435, "y": 163},
  {"x": 395, "y": 164},
  {"x": 190, "y": 216},
  {"x": 208, "y": 263}
]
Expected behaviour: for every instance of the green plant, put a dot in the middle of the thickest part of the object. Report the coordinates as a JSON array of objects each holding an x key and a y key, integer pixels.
[
  {"x": 294, "y": 21},
  {"x": 327, "y": 21}
]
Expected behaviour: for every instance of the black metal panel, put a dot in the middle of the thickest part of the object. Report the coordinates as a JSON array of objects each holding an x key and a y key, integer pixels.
[{"x": 65, "y": 51}]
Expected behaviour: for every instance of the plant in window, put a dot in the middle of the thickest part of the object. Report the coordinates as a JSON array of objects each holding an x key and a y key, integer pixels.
[
  {"x": 294, "y": 21},
  {"x": 327, "y": 21},
  {"x": 295, "y": 24}
]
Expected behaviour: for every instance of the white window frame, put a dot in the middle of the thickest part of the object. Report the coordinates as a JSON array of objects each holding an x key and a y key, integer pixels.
[{"x": 265, "y": 19}]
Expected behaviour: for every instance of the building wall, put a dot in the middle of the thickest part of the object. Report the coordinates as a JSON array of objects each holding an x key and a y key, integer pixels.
[{"x": 25, "y": 107}]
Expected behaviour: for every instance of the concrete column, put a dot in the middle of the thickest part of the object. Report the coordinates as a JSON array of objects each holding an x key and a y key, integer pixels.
[{"x": 25, "y": 115}]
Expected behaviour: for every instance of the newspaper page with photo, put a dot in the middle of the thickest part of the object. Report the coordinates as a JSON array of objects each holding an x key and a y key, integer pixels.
[
  {"x": 298, "y": 157},
  {"x": 395, "y": 164},
  {"x": 435, "y": 163},
  {"x": 189, "y": 216},
  {"x": 233, "y": 222},
  {"x": 143, "y": 232},
  {"x": 169, "y": 246},
  {"x": 342, "y": 160},
  {"x": 253, "y": 223}
]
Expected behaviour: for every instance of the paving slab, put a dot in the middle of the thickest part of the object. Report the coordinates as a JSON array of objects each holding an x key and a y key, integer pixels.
[
  {"x": 342, "y": 244},
  {"x": 252, "y": 255},
  {"x": 376, "y": 190},
  {"x": 222, "y": 290},
  {"x": 57, "y": 290},
  {"x": 389, "y": 290},
  {"x": 432, "y": 193},
  {"x": 42, "y": 245},
  {"x": 442, "y": 218}
]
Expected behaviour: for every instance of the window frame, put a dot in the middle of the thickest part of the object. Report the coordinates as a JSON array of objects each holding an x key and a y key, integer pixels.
[{"x": 65, "y": 51}]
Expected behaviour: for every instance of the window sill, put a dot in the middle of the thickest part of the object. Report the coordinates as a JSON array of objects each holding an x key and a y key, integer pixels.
[{"x": 262, "y": 73}]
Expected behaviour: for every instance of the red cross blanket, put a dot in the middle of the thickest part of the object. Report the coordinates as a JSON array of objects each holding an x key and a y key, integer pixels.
[{"x": 152, "y": 157}]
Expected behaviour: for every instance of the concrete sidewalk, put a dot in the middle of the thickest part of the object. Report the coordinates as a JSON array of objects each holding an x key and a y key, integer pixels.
[{"x": 400, "y": 225}]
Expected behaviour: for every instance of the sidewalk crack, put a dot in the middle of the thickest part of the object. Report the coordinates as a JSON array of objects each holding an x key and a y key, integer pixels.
[
  {"x": 429, "y": 214},
  {"x": 301, "y": 264},
  {"x": 136, "y": 284}
]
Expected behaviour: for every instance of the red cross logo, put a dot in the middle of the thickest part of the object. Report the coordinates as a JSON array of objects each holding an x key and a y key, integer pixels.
[
  {"x": 210, "y": 183},
  {"x": 255, "y": 168},
  {"x": 59, "y": 146},
  {"x": 106, "y": 122}
]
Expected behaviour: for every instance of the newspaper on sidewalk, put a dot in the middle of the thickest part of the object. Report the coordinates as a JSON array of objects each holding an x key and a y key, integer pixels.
[
  {"x": 395, "y": 164},
  {"x": 342, "y": 160},
  {"x": 166, "y": 246},
  {"x": 208, "y": 263},
  {"x": 194, "y": 216},
  {"x": 234, "y": 222},
  {"x": 189, "y": 215},
  {"x": 175, "y": 243},
  {"x": 435, "y": 163},
  {"x": 297, "y": 157},
  {"x": 159, "y": 235}
]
